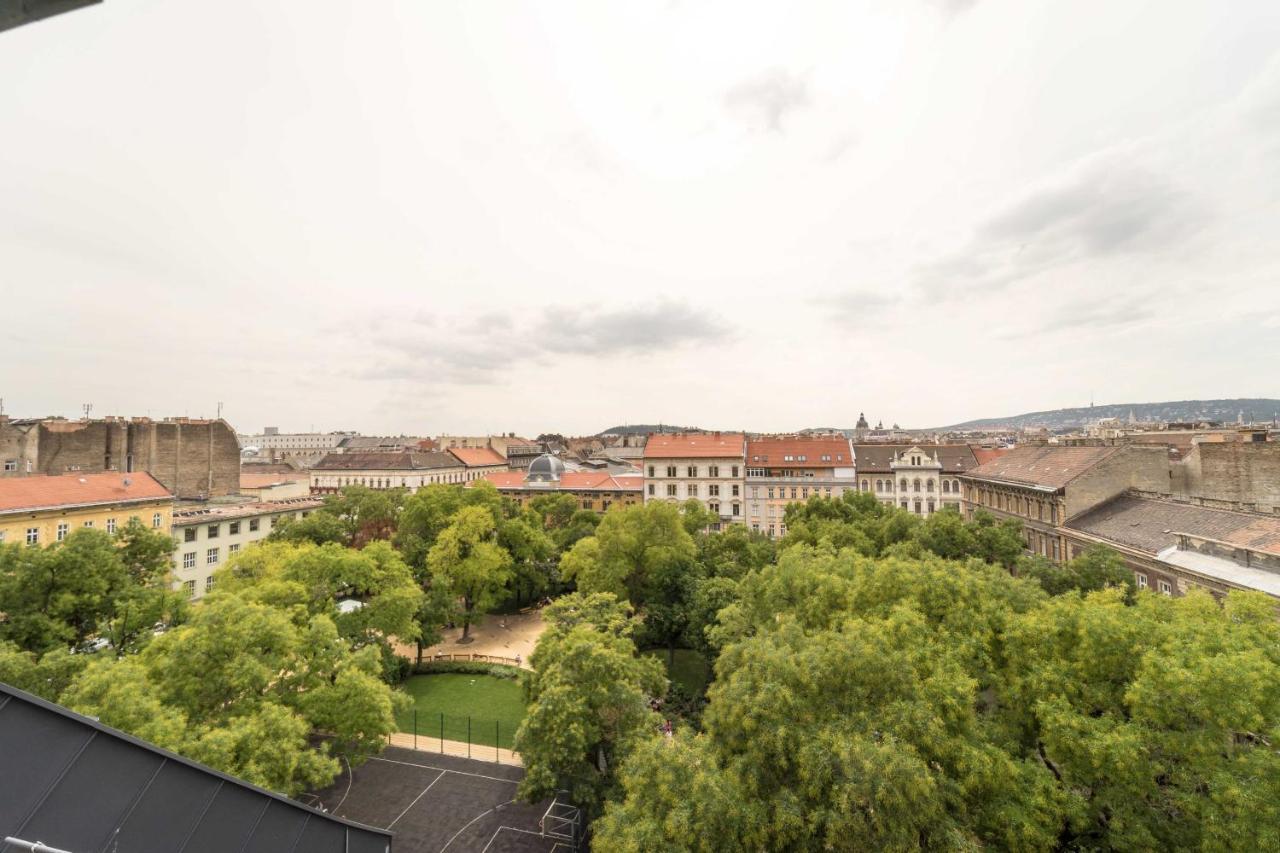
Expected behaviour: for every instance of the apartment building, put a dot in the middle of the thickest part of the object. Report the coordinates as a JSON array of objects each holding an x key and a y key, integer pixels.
[
  {"x": 784, "y": 469},
  {"x": 210, "y": 534},
  {"x": 599, "y": 491},
  {"x": 403, "y": 470},
  {"x": 707, "y": 467},
  {"x": 920, "y": 478},
  {"x": 40, "y": 510},
  {"x": 478, "y": 461}
]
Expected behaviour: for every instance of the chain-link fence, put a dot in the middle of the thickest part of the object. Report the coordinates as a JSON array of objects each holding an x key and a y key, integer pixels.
[{"x": 453, "y": 734}]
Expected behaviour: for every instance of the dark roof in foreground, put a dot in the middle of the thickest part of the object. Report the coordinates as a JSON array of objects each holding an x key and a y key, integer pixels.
[
  {"x": 1150, "y": 524},
  {"x": 15, "y": 13},
  {"x": 72, "y": 783}
]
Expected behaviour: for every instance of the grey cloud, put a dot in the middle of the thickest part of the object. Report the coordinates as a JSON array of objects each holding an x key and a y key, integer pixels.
[
  {"x": 1111, "y": 204},
  {"x": 664, "y": 325},
  {"x": 769, "y": 98},
  {"x": 852, "y": 305}
]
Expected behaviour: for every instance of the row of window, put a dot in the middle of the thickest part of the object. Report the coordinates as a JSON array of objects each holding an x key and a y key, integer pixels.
[
  {"x": 1164, "y": 586},
  {"x": 692, "y": 471},
  {"x": 390, "y": 482},
  {"x": 915, "y": 485},
  {"x": 211, "y": 556},
  {"x": 63, "y": 529},
  {"x": 691, "y": 490},
  {"x": 1038, "y": 509},
  {"x": 212, "y": 531},
  {"x": 189, "y": 587}
]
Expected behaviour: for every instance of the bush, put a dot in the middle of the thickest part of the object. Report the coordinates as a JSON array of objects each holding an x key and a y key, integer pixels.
[
  {"x": 497, "y": 670},
  {"x": 395, "y": 668}
]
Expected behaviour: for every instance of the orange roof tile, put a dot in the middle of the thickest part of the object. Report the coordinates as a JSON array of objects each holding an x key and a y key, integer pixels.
[
  {"x": 19, "y": 494},
  {"x": 773, "y": 452},
  {"x": 1048, "y": 466},
  {"x": 695, "y": 445},
  {"x": 477, "y": 457},
  {"x": 986, "y": 454},
  {"x": 574, "y": 481}
]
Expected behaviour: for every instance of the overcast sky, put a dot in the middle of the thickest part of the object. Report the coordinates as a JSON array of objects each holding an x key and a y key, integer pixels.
[{"x": 430, "y": 217}]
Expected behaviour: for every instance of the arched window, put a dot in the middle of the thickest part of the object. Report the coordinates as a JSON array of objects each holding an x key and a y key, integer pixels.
[
  {"x": 916, "y": 484},
  {"x": 946, "y": 486},
  {"x": 928, "y": 487},
  {"x": 903, "y": 484},
  {"x": 864, "y": 486}
]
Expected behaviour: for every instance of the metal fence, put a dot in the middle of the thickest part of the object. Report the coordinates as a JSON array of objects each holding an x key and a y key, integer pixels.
[{"x": 451, "y": 734}]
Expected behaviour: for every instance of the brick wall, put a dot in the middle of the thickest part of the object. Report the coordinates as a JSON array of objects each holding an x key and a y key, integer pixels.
[
  {"x": 1145, "y": 468},
  {"x": 1238, "y": 472}
]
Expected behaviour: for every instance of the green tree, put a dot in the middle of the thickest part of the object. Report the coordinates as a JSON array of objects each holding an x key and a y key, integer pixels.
[
  {"x": 47, "y": 675},
  {"x": 532, "y": 555},
  {"x": 1097, "y": 568},
  {"x": 588, "y": 701},
  {"x": 468, "y": 561},
  {"x": 355, "y": 516}
]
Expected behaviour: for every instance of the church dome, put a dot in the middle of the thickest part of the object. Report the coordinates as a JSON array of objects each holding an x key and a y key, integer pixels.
[{"x": 545, "y": 469}]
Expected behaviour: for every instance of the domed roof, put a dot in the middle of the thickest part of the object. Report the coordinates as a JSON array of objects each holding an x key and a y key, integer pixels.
[{"x": 545, "y": 469}]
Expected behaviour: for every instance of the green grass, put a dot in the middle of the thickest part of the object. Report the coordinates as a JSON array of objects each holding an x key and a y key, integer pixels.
[
  {"x": 483, "y": 698},
  {"x": 690, "y": 670}
]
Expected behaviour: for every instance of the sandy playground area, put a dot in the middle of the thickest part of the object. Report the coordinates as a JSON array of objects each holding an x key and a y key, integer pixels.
[{"x": 506, "y": 636}]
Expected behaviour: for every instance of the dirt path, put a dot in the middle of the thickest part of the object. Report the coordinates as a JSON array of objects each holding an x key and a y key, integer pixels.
[{"x": 505, "y": 636}]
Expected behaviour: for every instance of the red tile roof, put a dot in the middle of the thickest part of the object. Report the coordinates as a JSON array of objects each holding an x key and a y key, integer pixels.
[
  {"x": 695, "y": 445},
  {"x": 986, "y": 454},
  {"x": 773, "y": 451},
  {"x": 576, "y": 481},
  {"x": 45, "y": 492},
  {"x": 1042, "y": 465},
  {"x": 477, "y": 457}
]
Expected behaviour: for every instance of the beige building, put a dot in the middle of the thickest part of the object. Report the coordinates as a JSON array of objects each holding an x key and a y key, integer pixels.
[
  {"x": 211, "y": 534},
  {"x": 920, "y": 478},
  {"x": 404, "y": 470},
  {"x": 40, "y": 510},
  {"x": 707, "y": 467},
  {"x": 784, "y": 469}
]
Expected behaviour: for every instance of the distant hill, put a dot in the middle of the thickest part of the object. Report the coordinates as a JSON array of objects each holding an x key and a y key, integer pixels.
[
  {"x": 1225, "y": 411},
  {"x": 644, "y": 429}
]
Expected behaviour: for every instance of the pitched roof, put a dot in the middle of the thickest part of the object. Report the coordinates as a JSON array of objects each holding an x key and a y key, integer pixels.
[
  {"x": 76, "y": 784},
  {"x": 1044, "y": 465},
  {"x": 576, "y": 481},
  {"x": 257, "y": 480},
  {"x": 477, "y": 457},
  {"x": 772, "y": 451},
  {"x": 986, "y": 454},
  {"x": 876, "y": 458},
  {"x": 1149, "y": 524},
  {"x": 109, "y": 487},
  {"x": 402, "y": 461},
  {"x": 695, "y": 445},
  {"x": 225, "y": 512}
]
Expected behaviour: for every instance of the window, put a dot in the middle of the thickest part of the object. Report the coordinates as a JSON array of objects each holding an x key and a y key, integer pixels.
[
  {"x": 111, "y": 525},
  {"x": 62, "y": 530},
  {"x": 1053, "y": 514},
  {"x": 650, "y": 470},
  {"x": 915, "y": 485},
  {"x": 946, "y": 486},
  {"x": 930, "y": 506},
  {"x": 769, "y": 493},
  {"x": 793, "y": 493},
  {"x": 189, "y": 534},
  {"x": 693, "y": 490},
  {"x": 735, "y": 469},
  {"x": 33, "y": 536},
  {"x": 1141, "y": 579},
  {"x": 189, "y": 587},
  {"x": 211, "y": 557},
  {"x": 714, "y": 507},
  {"x": 671, "y": 490},
  {"x": 253, "y": 524},
  {"x": 692, "y": 471},
  {"x": 928, "y": 486},
  {"x": 737, "y": 510},
  {"x": 917, "y": 507},
  {"x": 755, "y": 527},
  {"x": 233, "y": 528},
  {"x": 902, "y": 484},
  {"x": 11, "y": 464},
  {"x": 755, "y": 491},
  {"x": 89, "y": 523},
  {"x": 864, "y": 486},
  {"x": 651, "y": 488},
  {"x": 1165, "y": 588},
  {"x": 156, "y": 519},
  {"x": 208, "y": 584},
  {"x": 212, "y": 532},
  {"x": 735, "y": 490},
  {"x": 714, "y": 490},
  {"x": 904, "y": 505},
  {"x": 771, "y": 530},
  {"x": 586, "y": 504},
  {"x": 713, "y": 470},
  {"x": 231, "y": 549},
  {"x": 189, "y": 560}
]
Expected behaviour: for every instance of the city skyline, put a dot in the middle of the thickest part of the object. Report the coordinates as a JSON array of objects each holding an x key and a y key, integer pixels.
[{"x": 472, "y": 219}]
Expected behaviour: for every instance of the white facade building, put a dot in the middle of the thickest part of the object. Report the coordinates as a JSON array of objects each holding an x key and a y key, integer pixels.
[{"x": 708, "y": 467}]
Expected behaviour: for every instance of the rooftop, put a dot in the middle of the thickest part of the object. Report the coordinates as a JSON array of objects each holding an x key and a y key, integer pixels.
[
  {"x": 578, "y": 481},
  {"x": 1152, "y": 524},
  {"x": 1051, "y": 467},
  {"x": 804, "y": 452},
  {"x": 404, "y": 460},
  {"x": 38, "y": 491},
  {"x": 76, "y": 784},
  {"x": 1220, "y": 568},
  {"x": 224, "y": 512},
  {"x": 695, "y": 445},
  {"x": 258, "y": 480},
  {"x": 877, "y": 458},
  {"x": 477, "y": 457}
]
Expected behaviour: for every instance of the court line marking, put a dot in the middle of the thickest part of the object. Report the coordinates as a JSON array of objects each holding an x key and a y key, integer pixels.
[
  {"x": 446, "y": 770},
  {"x": 510, "y": 828},
  {"x": 415, "y": 800},
  {"x": 473, "y": 820},
  {"x": 350, "y": 778}
]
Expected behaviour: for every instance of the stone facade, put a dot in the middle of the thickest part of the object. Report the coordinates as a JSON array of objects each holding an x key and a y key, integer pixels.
[
  {"x": 707, "y": 467},
  {"x": 192, "y": 458},
  {"x": 1243, "y": 474}
]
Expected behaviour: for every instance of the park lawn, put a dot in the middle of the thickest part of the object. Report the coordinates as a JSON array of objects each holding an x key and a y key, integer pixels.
[
  {"x": 689, "y": 671},
  {"x": 495, "y": 707}
]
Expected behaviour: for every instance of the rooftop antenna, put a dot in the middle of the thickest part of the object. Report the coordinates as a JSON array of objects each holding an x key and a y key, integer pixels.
[
  {"x": 87, "y": 407},
  {"x": 219, "y": 410}
]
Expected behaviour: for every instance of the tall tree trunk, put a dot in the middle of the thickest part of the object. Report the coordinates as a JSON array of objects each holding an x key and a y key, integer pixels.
[{"x": 420, "y": 647}]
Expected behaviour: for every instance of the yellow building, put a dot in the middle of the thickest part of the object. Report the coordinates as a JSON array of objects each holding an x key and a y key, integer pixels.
[{"x": 41, "y": 510}]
